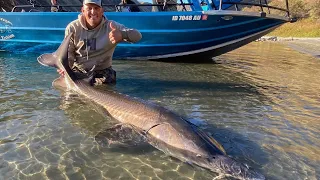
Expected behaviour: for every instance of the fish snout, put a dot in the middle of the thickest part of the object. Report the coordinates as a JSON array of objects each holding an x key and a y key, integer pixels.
[{"x": 230, "y": 167}]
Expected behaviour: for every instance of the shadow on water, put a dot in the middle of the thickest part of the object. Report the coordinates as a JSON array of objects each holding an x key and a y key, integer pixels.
[
  {"x": 154, "y": 87},
  {"x": 195, "y": 60},
  {"x": 91, "y": 119}
]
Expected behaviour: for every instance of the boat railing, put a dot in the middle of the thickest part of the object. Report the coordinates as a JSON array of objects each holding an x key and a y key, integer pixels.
[
  {"x": 162, "y": 6},
  {"x": 32, "y": 8},
  {"x": 118, "y": 7},
  {"x": 260, "y": 4}
]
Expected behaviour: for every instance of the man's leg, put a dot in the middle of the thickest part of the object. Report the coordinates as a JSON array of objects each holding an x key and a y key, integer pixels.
[{"x": 106, "y": 76}]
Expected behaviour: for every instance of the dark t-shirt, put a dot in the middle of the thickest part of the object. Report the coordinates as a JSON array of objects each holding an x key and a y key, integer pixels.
[{"x": 132, "y": 8}]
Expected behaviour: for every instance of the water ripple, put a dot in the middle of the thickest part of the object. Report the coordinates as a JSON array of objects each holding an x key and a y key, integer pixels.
[{"x": 261, "y": 102}]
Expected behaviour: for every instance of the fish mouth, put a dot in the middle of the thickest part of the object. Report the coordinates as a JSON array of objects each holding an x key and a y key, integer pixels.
[{"x": 229, "y": 167}]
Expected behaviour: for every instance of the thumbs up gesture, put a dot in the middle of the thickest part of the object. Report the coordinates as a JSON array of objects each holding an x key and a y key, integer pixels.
[{"x": 115, "y": 35}]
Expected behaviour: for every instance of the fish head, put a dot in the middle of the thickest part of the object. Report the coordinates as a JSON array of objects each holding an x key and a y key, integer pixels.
[{"x": 229, "y": 167}]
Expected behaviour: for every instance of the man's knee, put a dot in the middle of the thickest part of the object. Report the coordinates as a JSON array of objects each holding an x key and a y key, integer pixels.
[{"x": 106, "y": 76}]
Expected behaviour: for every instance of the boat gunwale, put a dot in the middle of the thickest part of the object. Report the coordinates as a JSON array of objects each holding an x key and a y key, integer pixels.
[
  {"x": 200, "y": 50},
  {"x": 245, "y": 13}
]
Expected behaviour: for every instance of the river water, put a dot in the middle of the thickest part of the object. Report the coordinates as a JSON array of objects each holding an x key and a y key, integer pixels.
[{"x": 261, "y": 102}]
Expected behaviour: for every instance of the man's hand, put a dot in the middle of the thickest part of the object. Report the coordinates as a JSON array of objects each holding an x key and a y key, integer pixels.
[
  {"x": 61, "y": 72},
  {"x": 54, "y": 2},
  {"x": 115, "y": 35}
]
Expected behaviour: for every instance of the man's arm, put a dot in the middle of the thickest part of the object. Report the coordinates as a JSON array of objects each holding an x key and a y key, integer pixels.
[{"x": 128, "y": 34}]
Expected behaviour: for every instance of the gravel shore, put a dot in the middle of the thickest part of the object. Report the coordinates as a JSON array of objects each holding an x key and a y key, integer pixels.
[{"x": 304, "y": 45}]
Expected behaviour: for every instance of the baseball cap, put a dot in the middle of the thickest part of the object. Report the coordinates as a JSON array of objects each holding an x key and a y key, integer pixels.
[{"x": 97, "y": 2}]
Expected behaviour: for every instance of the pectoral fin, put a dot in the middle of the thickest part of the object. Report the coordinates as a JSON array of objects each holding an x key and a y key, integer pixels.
[
  {"x": 60, "y": 83},
  {"x": 120, "y": 136},
  {"x": 211, "y": 142}
]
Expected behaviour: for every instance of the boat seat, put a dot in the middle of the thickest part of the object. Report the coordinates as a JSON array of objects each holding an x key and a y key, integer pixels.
[
  {"x": 167, "y": 8},
  {"x": 131, "y": 8},
  {"x": 136, "y": 8}
]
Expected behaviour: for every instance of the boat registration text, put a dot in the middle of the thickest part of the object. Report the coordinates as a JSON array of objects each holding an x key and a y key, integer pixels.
[{"x": 186, "y": 18}]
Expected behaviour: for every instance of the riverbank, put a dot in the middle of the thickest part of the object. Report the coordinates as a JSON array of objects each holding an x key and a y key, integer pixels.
[
  {"x": 304, "y": 28},
  {"x": 309, "y": 46},
  {"x": 302, "y": 36}
]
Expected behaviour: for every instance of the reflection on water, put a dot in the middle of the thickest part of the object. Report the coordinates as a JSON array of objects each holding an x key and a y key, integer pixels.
[{"x": 261, "y": 102}]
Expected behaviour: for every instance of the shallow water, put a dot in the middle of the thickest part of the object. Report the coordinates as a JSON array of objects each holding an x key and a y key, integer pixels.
[{"x": 261, "y": 102}]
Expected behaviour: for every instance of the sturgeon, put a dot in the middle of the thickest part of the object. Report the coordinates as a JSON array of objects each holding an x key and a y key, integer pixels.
[{"x": 160, "y": 127}]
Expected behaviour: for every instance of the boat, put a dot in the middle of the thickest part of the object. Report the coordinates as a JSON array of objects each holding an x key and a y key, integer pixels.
[{"x": 188, "y": 30}]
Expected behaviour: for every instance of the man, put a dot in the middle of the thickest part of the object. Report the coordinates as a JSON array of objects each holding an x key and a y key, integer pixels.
[
  {"x": 168, "y": 5},
  {"x": 94, "y": 41},
  {"x": 132, "y": 5},
  {"x": 55, "y": 7}
]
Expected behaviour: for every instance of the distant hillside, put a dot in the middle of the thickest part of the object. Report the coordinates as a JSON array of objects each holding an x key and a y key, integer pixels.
[{"x": 300, "y": 9}]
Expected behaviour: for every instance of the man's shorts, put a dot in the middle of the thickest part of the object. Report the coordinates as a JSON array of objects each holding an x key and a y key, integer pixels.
[
  {"x": 54, "y": 8},
  {"x": 105, "y": 76}
]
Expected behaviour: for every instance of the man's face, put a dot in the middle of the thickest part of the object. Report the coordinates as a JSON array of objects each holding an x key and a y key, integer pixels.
[{"x": 93, "y": 14}]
